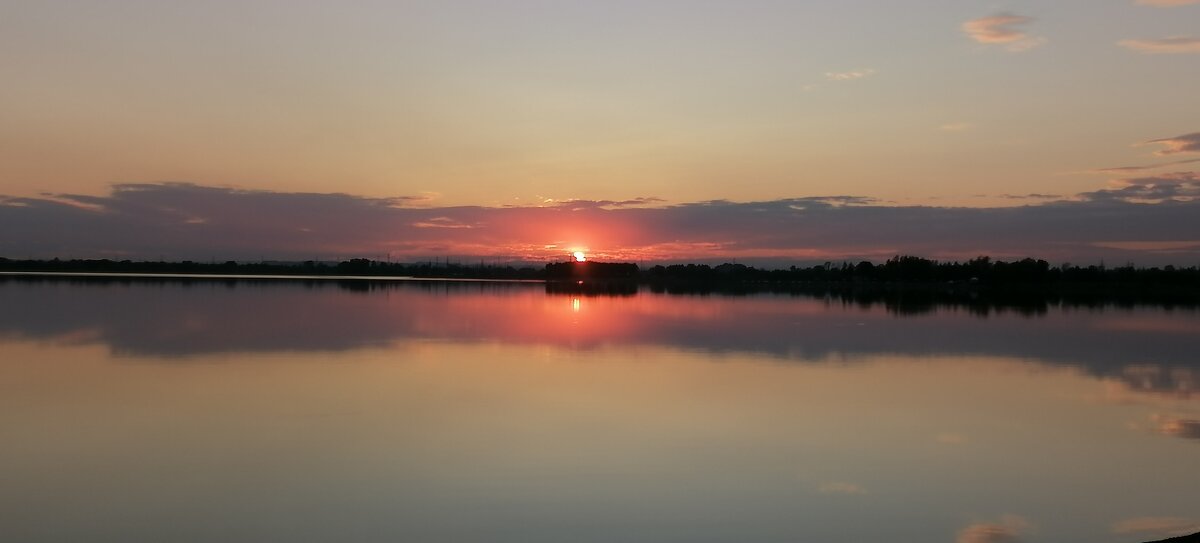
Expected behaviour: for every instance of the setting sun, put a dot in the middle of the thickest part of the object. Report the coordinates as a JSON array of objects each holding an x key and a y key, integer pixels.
[{"x": 579, "y": 256}]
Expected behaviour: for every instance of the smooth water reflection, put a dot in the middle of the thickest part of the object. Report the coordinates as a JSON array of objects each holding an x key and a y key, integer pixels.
[{"x": 215, "y": 412}]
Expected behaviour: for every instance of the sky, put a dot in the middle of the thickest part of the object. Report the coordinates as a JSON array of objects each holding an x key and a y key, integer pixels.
[{"x": 671, "y": 130}]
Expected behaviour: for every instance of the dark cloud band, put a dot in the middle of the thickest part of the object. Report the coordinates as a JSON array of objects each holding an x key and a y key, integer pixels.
[{"x": 187, "y": 221}]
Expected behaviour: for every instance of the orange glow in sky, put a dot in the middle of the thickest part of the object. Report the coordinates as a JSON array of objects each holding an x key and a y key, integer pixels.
[
  {"x": 779, "y": 115},
  {"x": 795, "y": 132}
]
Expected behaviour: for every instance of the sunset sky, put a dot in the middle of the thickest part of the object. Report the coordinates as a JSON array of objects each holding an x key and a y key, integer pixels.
[{"x": 665, "y": 130}]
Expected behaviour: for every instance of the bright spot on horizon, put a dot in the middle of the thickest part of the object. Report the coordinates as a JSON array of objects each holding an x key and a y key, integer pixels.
[{"x": 580, "y": 257}]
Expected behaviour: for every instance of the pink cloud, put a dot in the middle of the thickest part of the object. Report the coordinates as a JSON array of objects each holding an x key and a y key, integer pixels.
[
  {"x": 1159, "y": 526},
  {"x": 1187, "y": 143},
  {"x": 1009, "y": 529},
  {"x": 849, "y": 76},
  {"x": 1002, "y": 29},
  {"x": 1177, "y": 427},
  {"x": 1165, "y": 46},
  {"x": 844, "y": 488}
]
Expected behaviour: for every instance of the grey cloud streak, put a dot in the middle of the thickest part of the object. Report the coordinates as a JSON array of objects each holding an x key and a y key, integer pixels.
[
  {"x": 187, "y": 221},
  {"x": 1187, "y": 143},
  {"x": 1174, "y": 45},
  {"x": 1131, "y": 169},
  {"x": 1178, "y": 186}
]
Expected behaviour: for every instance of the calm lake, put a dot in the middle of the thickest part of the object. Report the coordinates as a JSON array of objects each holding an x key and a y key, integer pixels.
[{"x": 493, "y": 412}]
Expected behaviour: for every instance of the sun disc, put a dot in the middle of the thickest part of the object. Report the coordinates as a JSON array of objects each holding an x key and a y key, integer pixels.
[{"x": 579, "y": 256}]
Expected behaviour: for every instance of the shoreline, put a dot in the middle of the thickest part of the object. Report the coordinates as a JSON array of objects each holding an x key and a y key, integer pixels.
[{"x": 253, "y": 277}]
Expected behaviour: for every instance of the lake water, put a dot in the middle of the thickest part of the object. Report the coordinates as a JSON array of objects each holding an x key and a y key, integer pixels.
[{"x": 353, "y": 411}]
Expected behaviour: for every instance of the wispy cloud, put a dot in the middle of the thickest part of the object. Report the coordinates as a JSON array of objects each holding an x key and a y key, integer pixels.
[
  {"x": 1174, "y": 45},
  {"x": 1177, "y": 186},
  {"x": 441, "y": 222},
  {"x": 1187, "y": 143},
  {"x": 1003, "y": 29},
  {"x": 1009, "y": 529},
  {"x": 1166, "y": 3},
  {"x": 850, "y": 75},
  {"x": 1158, "y": 526},
  {"x": 1133, "y": 169},
  {"x": 1032, "y": 196},
  {"x": 578, "y": 204},
  {"x": 950, "y": 438},
  {"x": 955, "y": 127},
  {"x": 1178, "y": 427},
  {"x": 844, "y": 488},
  {"x": 1161, "y": 246}
]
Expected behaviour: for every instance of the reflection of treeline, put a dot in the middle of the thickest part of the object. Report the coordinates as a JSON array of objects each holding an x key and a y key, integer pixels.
[
  {"x": 917, "y": 299},
  {"x": 593, "y": 288},
  {"x": 913, "y": 285}
]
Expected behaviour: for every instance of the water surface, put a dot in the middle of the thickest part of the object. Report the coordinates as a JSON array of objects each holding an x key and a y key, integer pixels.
[{"x": 291, "y": 411}]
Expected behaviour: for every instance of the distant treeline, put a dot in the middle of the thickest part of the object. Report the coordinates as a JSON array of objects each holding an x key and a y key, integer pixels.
[
  {"x": 916, "y": 270},
  {"x": 592, "y": 270},
  {"x": 354, "y": 266},
  {"x": 899, "y": 270}
]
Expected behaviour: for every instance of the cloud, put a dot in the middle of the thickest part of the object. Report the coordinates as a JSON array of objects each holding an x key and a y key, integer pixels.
[
  {"x": 180, "y": 221},
  {"x": 851, "y": 75},
  {"x": 1177, "y": 187},
  {"x": 1032, "y": 196},
  {"x": 1166, "y": 3},
  {"x": 1159, "y": 526},
  {"x": 1003, "y": 29},
  {"x": 602, "y": 204},
  {"x": 849, "y": 489},
  {"x": 1132, "y": 169},
  {"x": 832, "y": 200},
  {"x": 1174, "y": 45},
  {"x": 1164, "y": 246},
  {"x": 442, "y": 222},
  {"x": 425, "y": 199},
  {"x": 1009, "y": 529},
  {"x": 1187, "y": 143},
  {"x": 1177, "y": 427}
]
